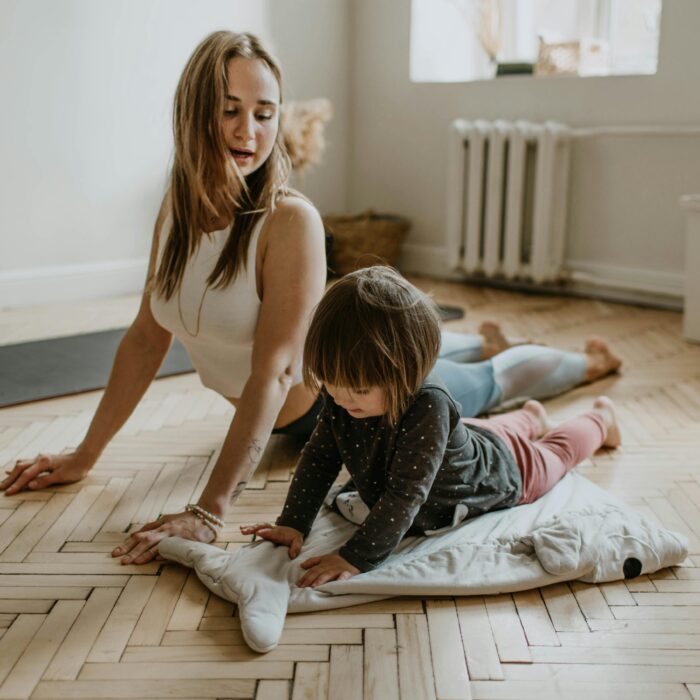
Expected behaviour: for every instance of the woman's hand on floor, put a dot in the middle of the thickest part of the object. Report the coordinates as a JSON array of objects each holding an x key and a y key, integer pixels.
[
  {"x": 329, "y": 567},
  {"x": 279, "y": 534},
  {"x": 43, "y": 471},
  {"x": 142, "y": 546}
]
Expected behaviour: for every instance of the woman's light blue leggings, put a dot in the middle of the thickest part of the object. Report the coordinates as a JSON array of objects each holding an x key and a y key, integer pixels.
[{"x": 522, "y": 371}]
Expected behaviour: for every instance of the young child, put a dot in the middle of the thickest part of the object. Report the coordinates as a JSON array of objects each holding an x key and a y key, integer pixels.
[{"x": 415, "y": 463}]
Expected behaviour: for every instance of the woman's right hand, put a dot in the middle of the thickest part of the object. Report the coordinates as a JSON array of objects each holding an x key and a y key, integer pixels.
[
  {"x": 43, "y": 471},
  {"x": 279, "y": 534}
]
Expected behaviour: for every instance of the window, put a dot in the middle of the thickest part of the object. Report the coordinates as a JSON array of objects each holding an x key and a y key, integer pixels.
[{"x": 463, "y": 40}]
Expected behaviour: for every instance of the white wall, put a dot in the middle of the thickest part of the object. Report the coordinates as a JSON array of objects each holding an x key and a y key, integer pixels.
[
  {"x": 624, "y": 217},
  {"x": 312, "y": 40},
  {"x": 85, "y": 136}
]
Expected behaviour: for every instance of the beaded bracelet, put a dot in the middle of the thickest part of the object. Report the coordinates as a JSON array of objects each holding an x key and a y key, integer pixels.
[
  {"x": 207, "y": 518},
  {"x": 207, "y": 524},
  {"x": 205, "y": 514}
]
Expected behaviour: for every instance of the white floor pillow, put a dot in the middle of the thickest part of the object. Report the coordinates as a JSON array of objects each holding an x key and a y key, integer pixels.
[{"x": 576, "y": 531}]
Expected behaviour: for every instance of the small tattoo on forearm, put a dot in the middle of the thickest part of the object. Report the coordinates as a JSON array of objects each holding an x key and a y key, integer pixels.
[
  {"x": 240, "y": 487},
  {"x": 254, "y": 454}
]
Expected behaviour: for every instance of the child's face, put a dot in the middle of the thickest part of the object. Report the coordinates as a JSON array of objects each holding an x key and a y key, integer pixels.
[{"x": 359, "y": 403}]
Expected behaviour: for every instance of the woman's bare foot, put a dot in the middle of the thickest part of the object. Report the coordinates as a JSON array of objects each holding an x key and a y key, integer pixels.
[
  {"x": 606, "y": 408},
  {"x": 494, "y": 339},
  {"x": 539, "y": 412},
  {"x": 600, "y": 359}
]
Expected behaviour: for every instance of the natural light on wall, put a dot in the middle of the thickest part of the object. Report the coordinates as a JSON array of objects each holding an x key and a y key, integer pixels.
[{"x": 463, "y": 40}]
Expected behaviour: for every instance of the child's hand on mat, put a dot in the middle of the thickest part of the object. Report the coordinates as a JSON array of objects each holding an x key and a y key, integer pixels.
[
  {"x": 43, "y": 471},
  {"x": 329, "y": 567},
  {"x": 142, "y": 546},
  {"x": 279, "y": 534}
]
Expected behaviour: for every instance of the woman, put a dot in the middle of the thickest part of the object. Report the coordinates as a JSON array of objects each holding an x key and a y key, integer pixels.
[{"x": 237, "y": 265}]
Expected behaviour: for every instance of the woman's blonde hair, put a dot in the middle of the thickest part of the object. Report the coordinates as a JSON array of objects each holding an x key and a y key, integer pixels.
[
  {"x": 205, "y": 183},
  {"x": 373, "y": 328}
]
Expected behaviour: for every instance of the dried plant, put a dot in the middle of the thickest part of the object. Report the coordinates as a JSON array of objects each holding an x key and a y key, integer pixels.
[{"x": 303, "y": 125}]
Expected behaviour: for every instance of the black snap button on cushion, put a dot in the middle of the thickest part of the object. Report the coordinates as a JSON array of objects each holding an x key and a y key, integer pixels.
[{"x": 632, "y": 568}]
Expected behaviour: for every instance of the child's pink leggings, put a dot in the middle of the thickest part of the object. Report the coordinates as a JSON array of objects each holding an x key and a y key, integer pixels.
[{"x": 543, "y": 462}]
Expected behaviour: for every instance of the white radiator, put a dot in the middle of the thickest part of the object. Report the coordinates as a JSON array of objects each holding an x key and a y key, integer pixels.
[{"x": 507, "y": 191}]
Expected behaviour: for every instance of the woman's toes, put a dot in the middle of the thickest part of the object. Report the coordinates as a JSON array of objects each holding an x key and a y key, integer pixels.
[
  {"x": 601, "y": 359},
  {"x": 494, "y": 339}
]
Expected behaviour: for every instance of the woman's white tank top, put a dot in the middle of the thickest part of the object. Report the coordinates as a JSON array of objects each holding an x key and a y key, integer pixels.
[{"x": 216, "y": 326}]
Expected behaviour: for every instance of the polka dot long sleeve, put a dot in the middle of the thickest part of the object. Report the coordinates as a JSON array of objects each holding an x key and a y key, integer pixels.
[
  {"x": 317, "y": 469},
  {"x": 419, "y": 446},
  {"x": 412, "y": 476}
]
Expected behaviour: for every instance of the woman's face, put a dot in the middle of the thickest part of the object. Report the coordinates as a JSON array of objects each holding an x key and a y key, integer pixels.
[{"x": 251, "y": 113}]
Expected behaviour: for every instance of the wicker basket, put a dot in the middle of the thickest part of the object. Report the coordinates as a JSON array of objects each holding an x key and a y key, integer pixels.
[{"x": 365, "y": 239}]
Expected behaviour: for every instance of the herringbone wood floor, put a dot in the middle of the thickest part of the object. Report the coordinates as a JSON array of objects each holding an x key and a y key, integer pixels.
[{"x": 76, "y": 624}]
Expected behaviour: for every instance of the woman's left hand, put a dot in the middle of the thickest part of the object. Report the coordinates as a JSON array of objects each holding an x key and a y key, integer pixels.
[
  {"x": 142, "y": 546},
  {"x": 329, "y": 567}
]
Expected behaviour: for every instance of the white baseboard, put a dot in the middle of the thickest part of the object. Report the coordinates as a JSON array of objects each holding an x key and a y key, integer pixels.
[
  {"x": 617, "y": 283},
  {"x": 118, "y": 277},
  {"x": 627, "y": 280},
  {"x": 46, "y": 285}
]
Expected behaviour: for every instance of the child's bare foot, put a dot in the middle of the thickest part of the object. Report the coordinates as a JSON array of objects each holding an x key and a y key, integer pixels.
[
  {"x": 600, "y": 359},
  {"x": 539, "y": 412},
  {"x": 606, "y": 408},
  {"x": 543, "y": 419}
]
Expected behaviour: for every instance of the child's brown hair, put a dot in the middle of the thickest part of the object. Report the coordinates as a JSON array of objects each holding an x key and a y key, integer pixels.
[{"x": 373, "y": 328}]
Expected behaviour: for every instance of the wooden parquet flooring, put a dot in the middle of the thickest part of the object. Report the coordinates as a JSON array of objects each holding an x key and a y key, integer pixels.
[{"x": 76, "y": 624}]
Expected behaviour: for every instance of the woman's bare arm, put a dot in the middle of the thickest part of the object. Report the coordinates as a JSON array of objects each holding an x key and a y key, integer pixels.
[
  {"x": 293, "y": 281},
  {"x": 140, "y": 354}
]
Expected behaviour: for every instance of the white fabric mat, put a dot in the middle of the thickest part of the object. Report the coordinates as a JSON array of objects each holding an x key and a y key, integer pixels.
[{"x": 576, "y": 531}]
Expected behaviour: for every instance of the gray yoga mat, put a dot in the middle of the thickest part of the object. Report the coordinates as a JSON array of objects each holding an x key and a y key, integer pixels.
[
  {"x": 450, "y": 313},
  {"x": 44, "y": 369}
]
